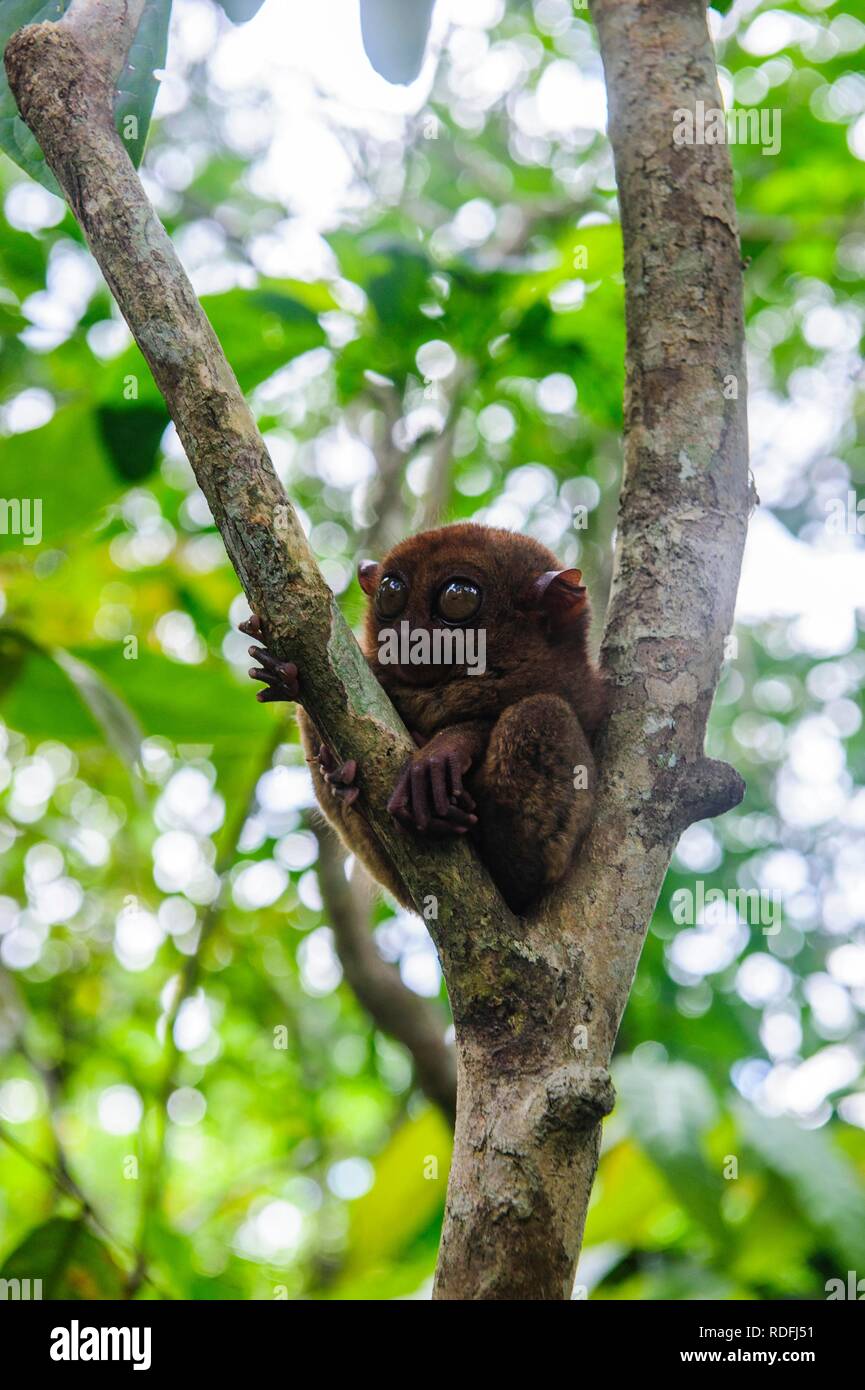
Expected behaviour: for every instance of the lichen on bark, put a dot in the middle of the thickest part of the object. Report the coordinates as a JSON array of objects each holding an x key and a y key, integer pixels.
[{"x": 536, "y": 1002}]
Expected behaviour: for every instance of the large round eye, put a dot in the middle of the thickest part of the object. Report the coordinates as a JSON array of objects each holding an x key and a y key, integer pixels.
[
  {"x": 392, "y": 596},
  {"x": 458, "y": 601}
]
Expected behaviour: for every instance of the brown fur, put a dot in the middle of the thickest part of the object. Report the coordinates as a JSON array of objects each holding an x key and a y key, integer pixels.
[{"x": 521, "y": 729}]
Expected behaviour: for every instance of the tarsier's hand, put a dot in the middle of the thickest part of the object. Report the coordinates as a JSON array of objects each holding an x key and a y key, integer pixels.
[
  {"x": 429, "y": 795},
  {"x": 280, "y": 677},
  {"x": 282, "y": 682}
]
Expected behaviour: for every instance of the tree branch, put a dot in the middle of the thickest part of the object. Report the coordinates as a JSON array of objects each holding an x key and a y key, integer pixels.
[
  {"x": 391, "y": 1005},
  {"x": 104, "y": 30},
  {"x": 383, "y": 503},
  {"x": 530, "y": 1102},
  {"x": 433, "y": 504},
  {"x": 65, "y": 93},
  {"x": 187, "y": 983},
  {"x": 536, "y": 1004}
]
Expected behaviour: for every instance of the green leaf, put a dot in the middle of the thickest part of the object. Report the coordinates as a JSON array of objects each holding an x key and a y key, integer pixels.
[
  {"x": 34, "y": 688},
  {"x": 116, "y": 720},
  {"x": 132, "y": 434},
  {"x": 399, "y": 288},
  {"x": 584, "y": 253},
  {"x": 15, "y": 138},
  {"x": 137, "y": 85},
  {"x": 404, "y": 1197},
  {"x": 260, "y": 331},
  {"x": 201, "y": 706},
  {"x": 69, "y": 1260},
  {"x": 34, "y": 694},
  {"x": 65, "y": 468},
  {"x": 669, "y": 1108},
  {"x": 828, "y": 1188},
  {"x": 630, "y": 1200}
]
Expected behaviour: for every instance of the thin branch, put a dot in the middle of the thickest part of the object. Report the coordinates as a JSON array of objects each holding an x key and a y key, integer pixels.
[
  {"x": 105, "y": 30},
  {"x": 384, "y": 501},
  {"x": 60, "y": 1171},
  {"x": 392, "y": 1006},
  {"x": 63, "y": 1181},
  {"x": 189, "y": 976},
  {"x": 435, "y": 499}
]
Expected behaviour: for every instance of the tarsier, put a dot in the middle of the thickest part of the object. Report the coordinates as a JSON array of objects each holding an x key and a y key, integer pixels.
[{"x": 504, "y": 749}]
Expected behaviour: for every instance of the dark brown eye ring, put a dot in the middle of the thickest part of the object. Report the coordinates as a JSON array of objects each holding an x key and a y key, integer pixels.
[
  {"x": 392, "y": 596},
  {"x": 457, "y": 601}
]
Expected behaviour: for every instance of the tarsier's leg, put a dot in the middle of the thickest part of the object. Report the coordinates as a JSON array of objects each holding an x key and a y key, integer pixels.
[
  {"x": 535, "y": 794},
  {"x": 334, "y": 785},
  {"x": 345, "y": 818}
]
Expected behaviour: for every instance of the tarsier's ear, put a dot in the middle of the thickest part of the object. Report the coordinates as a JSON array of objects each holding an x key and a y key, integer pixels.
[
  {"x": 367, "y": 576},
  {"x": 559, "y": 594}
]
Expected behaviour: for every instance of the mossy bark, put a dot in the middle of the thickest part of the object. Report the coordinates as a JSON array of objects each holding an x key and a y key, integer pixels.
[{"x": 536, "y": 1002}]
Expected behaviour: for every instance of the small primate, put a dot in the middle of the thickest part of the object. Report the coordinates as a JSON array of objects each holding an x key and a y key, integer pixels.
[{"x": 504, "y": 746}]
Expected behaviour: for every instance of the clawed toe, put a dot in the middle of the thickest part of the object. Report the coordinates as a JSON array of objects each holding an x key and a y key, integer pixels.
[
  {"x": 340, "y": 780},
  {"x": 279, "y": 677},
  {"x": 423, "y": 801}
]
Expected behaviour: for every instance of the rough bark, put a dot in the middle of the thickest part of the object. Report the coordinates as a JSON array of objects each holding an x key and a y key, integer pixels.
[
  {"x": 63, "y": 81},
  {"x": 528, "y": 1132},
  {"x": 536, "y": 1003},
  {"x": 392, "y": 1006}
]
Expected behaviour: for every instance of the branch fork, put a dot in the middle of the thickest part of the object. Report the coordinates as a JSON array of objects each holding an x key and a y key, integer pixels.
[{"x": 519, "y": 1086}]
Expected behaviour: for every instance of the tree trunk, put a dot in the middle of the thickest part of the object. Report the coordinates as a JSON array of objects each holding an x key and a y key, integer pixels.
[
  {"x": 532, "y": 1078},
  {"x": 536, "y": 1002}
]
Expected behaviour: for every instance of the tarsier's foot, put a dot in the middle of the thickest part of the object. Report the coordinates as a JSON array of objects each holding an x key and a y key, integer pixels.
[
  {"x": 339, "y": 779},
  {"x": 280, "y": 677},
  {"x": 429, "y": 795}
]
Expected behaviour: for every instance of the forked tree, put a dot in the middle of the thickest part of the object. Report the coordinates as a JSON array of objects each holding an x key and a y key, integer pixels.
[{"x": 536, "y": 1001}]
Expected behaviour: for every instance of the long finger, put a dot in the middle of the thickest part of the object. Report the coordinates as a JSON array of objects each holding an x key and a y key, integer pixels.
[
  {"x": 399, "y": 798},
  {"x": 455, "y": 775},
  {"x": 286, "y": 670},
  {"x": 440, "y": 797},
  {"x": 445, "y": 827},
  {"x": 420, "y": 795},
  {"x": 402, "y": 816},
  {"x": 259, "y": 674}
]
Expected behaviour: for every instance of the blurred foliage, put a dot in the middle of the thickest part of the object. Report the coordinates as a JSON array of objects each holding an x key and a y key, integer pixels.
[{"x": 192, "y": 1104}]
